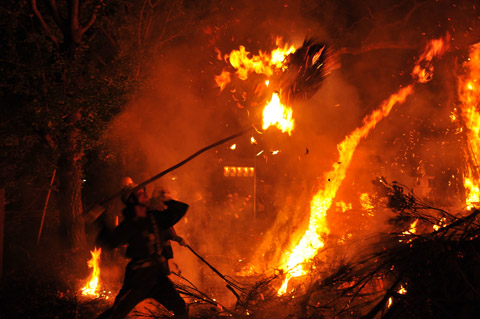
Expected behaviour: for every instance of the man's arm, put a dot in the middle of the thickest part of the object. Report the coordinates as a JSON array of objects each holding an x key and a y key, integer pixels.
[
  {"x": 170, "y": 216},
  {"x": 172, "y": 235}
]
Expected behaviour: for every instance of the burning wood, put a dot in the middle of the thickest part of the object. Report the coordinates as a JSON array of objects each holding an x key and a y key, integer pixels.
[
  {"x": 291, "y": 74},
  {"x": 400, "y": 273},
  {"x": 304, "y": 71},
  {"x": 413, "y": 269}
]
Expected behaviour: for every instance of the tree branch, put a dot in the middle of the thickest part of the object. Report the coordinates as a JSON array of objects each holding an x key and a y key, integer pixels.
[
  {"x": 89, "y": 23},
  {"x": 92, "y": 19},
  {"x": 140, "y": 22},
  {"x": 56, "y": 16},
  {"x": 73, "y": 16},
  {"x": 376, "y": 46},
  {"x": 167, "y": 20},
  {"x": 44, "y": 23}
]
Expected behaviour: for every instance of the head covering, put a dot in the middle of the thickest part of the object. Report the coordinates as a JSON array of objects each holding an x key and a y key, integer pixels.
[
  {"x": 125, "y": 181},
  {"x": 127, "y": 189}
]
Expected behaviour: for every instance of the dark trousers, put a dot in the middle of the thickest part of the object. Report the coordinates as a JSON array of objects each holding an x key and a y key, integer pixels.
[{"x": 143, "y": 283}]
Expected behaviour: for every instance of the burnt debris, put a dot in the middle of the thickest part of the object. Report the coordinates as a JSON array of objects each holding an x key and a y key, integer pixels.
[{"x": 305, "y": 72}]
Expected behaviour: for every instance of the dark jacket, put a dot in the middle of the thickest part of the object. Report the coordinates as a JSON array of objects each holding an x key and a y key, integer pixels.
[{"x": 144, "y": 236}]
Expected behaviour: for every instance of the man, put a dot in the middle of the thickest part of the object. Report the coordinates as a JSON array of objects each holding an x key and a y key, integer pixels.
[
  {"x": 146, "y": 275},
  {"x": 157, "y": 202}
]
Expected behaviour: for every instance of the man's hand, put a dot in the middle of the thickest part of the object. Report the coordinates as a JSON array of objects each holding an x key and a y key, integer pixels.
[
  {"x": 162, "y": 194},
  {"x": 159, "y": 197},
  {"x": 181, "y": 241}
]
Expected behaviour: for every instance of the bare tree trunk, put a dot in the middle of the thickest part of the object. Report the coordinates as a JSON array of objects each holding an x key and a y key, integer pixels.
[
  {"x": 70, "y": 171},
  {"x": 70, "y": 175}
]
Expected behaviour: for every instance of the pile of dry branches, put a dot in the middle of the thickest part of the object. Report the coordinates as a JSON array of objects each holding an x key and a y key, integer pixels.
[{"x": 429, "y": 272}]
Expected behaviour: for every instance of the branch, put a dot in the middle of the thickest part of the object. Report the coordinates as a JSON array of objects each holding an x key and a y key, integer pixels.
[
  {"x": 393, "y": 23},
  {"x": 381, "y": 304},
  {"x": 73, "y": 16},
  {"x": 44, "y": 24},
  {"x": 376, "y": 46},
  {"x": 92, "y": 19},
  {"x": 56, "y": 15},
  {"x": 167, "y": 20},
  {"x": 140, "y": 22},
  {"x": 89, "y": 23}
]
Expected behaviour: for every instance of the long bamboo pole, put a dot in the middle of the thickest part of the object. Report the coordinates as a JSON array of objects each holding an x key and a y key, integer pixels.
[{"x": 94, "y": 212}]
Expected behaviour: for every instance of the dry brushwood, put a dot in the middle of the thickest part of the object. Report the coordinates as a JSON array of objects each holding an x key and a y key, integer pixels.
[
  {"x": 429, "y": 274},
  {"x": 305, "y": 71}
]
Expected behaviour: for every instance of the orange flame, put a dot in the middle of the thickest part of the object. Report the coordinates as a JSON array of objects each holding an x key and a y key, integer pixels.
[
  {"x": 223, "y": 79},
  {"x": 366, "y": 203},
  {"x": 390, "y": 302},
  {"x": 469, "y": 95},
  {"x": 244, "y": 65},
  {"x": 278, "y": 55},
  {"x": 278, "y": 115},
  {"x": 92, "y": 286},
  {"x": 413, "y": 228},
  {"x": 263, "y": 63},
  {"x": 275, "y": 113},
  {"x": 423, "y": 69},
  {"x": 311, "y": 241},
  {"x": 344, "y": 206}
]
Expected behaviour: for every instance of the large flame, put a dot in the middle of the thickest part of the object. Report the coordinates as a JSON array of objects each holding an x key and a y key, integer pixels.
[
  {"x": 423, "y": 70},
  {"x": 275, "y": 113},
  {"x": 469, "y": 96},
  {"x": 311, "y": 241},
  {"x": 263, "y": 63},
  {"x": 278, "y": 115},
  {"x": 92, "y": 286}
]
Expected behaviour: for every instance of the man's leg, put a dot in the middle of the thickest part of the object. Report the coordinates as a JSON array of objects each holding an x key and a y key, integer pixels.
[
  {"x": 166, "y": 294},
  {"x": 136, "y": 288},
  {"x": 106, "y": 314}
]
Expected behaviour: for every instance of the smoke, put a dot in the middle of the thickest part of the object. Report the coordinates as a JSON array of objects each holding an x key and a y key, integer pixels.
[{"x": 180, "y": 110}]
